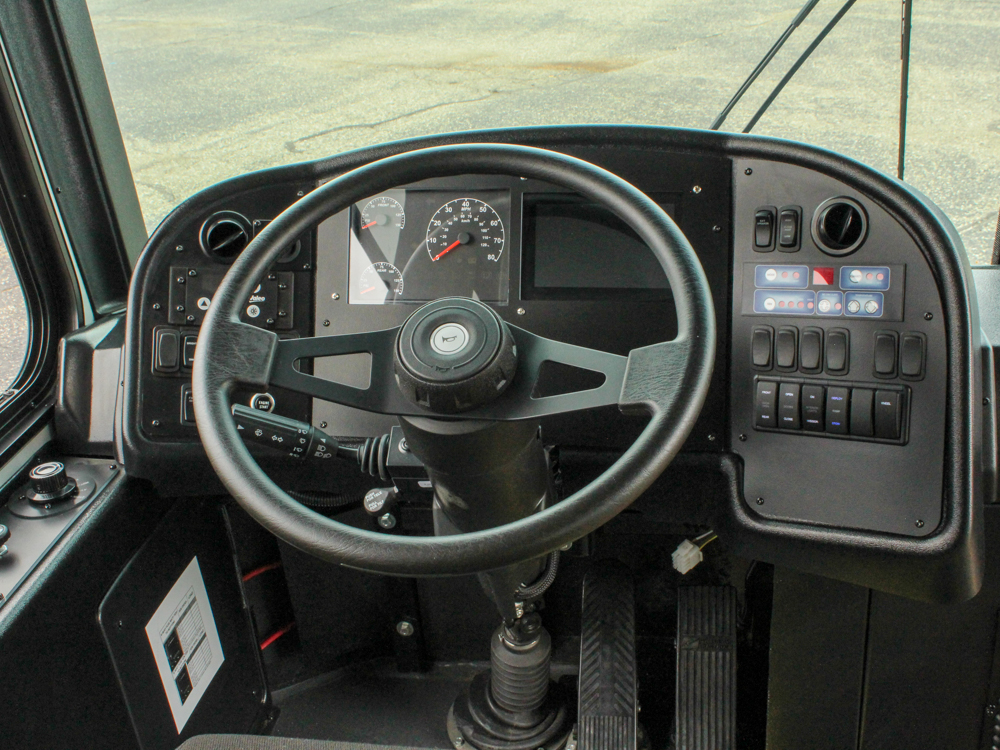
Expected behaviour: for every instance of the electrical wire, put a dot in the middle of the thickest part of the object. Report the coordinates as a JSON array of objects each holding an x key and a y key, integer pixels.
[
  {"x": 276, "y": 635},
  {"x": 262, "y": 569},
  {"x": 708, "y": 541}
]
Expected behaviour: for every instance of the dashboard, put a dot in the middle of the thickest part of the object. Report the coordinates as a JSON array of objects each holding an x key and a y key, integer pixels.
[{"x": 828, "y": 413}]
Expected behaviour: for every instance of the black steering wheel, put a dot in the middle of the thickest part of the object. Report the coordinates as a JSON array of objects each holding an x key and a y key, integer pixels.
[{"x": 669, "y": 381}]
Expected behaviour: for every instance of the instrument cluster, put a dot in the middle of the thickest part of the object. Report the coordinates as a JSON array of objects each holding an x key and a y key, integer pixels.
[{"x": 413, "y": 246}]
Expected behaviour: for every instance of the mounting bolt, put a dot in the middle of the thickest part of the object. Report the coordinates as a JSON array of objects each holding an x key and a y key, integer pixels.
[
  {"x": 520, "y": 311},
  {"x": 181, "y": 279},
  {"x": 748, "y": 171},
  {"x": 179, "y": 248},
  {"x": 190, "y": 318},
  {"x": 711, "y": 438},
  {"x": 322, "y": 425},
  {"x": 156, "y": 423},
  {"x": 405, "y": 628},
  {"x": 192, "y": 272},
  {"x": 326, "y": 323},
  {"x": 156, "y": 305},
  {"x": 743, "y": 438},
  {"x": 306, "y": 266},
  {"x": 301, "y": 193},
  {"x": 760, "y": 501},
  {"x": 920, "y": 524},
  {"x": 928, "y": 316},
  {"x": 180, "y": 308},
  {"x": 717, "y": 229},
  {"x": 404, "y": 447},
  {"x": 696, "y": 189},
  {"x": 120, "y": 624},
  {"x": 334, "y": 296},
  {"x": 113, "y": 467},
  {"x": 387, "y": 521}
]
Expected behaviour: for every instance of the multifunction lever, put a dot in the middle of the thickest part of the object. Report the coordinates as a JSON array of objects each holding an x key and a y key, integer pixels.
[{"x": 295, "y": 439}]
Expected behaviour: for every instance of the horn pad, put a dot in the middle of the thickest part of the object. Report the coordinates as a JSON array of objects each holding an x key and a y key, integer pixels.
[{"x": 453, "y": 355}]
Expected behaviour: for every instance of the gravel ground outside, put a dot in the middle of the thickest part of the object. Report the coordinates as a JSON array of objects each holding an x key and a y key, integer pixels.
[
  {"x": 209, "y": 90},
  {"x": 13, "y": 321}
]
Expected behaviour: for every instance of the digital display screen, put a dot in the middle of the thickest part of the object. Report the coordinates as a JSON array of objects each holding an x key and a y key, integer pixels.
[
  {"x": 576, "y": 249},
  {"x": 414, "y": 246}
]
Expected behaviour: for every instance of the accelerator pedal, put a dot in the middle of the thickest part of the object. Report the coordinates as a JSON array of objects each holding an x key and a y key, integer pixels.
[
  {"x": 705, "y": 713},
  {"x": 608, "y": 692}
]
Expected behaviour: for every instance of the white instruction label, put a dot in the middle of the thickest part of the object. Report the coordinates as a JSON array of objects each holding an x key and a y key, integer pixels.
[{"x": 185, "y": 643}]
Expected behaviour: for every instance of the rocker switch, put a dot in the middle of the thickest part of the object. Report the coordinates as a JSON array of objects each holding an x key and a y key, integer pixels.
[
  {"x": 784, "y": 348},
  {"x": 766, "y": 404},
  {"x": 861, "y": 412},
  {"x": 885, "y": 354},
  {"x": 763, "y": 230},
  {"x": 837, "y": 351},
  {"x": 788, "y": 406},
  {"x": 760, "y": 346},
  {"x": 888, "y": 414}
]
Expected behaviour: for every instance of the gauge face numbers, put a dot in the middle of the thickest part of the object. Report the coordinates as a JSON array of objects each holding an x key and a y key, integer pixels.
[
  {"x": 380, "y": 281},
  {"x": 466, "y": 229},
  {"x": 383, "y": 212}
]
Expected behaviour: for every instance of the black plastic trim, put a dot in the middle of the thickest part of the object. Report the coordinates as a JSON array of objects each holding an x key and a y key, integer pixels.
[{"x": 946, "y": 565}]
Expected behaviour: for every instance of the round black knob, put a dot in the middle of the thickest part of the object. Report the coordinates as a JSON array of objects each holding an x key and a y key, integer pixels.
[
  {"x": 453, "y": 355},
  {"x": 49, "y": 483},
  {"x": 4, "y": 534}
]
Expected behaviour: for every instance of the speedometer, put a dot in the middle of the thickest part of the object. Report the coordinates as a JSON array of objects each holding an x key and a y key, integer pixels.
[{"x": 465, "y": 230}]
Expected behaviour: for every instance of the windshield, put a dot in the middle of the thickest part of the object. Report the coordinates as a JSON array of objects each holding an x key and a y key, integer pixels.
[{"x": 209, "y": 90}]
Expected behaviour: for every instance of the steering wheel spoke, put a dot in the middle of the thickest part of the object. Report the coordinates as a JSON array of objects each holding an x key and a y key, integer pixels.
[
  {"x": 522, "y": 400},
  {"x": 242, "y": 353},
  {"x": 382, "y": 395},
  {"x": 655, "y": 377}
]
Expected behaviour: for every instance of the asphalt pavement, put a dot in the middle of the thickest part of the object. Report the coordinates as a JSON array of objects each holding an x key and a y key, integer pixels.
[{"x": 209, "y": 90}]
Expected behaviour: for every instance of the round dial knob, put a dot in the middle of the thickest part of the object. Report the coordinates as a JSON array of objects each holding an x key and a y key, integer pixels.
[{"x": 49, "y": 483}]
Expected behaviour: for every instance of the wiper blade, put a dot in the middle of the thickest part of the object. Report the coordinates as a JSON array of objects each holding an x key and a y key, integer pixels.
[
  {"x": 798, "y": 64},
  {"x": 765, "y": 61}
]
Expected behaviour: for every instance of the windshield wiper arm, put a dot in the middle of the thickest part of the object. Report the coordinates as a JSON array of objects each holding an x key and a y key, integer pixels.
[
  {"x": 798, "y": 64},
  {"x": 765, "y": 61}
]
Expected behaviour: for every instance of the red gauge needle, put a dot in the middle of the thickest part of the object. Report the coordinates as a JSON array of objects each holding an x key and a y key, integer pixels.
[
  {"x": 448, "y": 249},
  {"x": 369, "y": 289},
  {"x": 370, "y": 223}
]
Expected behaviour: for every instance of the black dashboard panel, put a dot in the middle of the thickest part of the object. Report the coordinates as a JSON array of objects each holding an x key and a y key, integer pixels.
[
  {"x": 841, "y": 472},
  {"x": 865, "y": 464}
]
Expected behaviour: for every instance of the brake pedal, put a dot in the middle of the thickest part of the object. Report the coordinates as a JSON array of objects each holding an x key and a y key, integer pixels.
[
  {"x": 705, "y": 712},
  {"x": 608, "y": 694}
]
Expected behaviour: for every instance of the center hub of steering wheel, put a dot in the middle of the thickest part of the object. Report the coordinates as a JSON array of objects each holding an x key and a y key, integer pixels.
[{"x": 454, "y": 354}]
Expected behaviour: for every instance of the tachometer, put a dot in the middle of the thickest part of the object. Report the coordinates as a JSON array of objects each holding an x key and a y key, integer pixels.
[
  {"x": 380, "y": 281},
  {"x": 383, "y": 212},
  {"x": 465, "y": 228}
]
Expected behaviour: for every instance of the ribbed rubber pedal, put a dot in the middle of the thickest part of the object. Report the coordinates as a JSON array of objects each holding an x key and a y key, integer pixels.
[
  {"x": 706, "y": 668},
  {"x": 608, "y": 694}
]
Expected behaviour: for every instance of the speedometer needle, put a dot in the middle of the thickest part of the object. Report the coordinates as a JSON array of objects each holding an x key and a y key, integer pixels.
[
  {"x": 369, "y": 289},
  {"x": 370, "y": 223},
  {"x": 448, "y": 249}
]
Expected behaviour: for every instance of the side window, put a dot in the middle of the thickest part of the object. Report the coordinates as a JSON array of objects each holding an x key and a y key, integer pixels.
[{"x": 13, "y": 320}]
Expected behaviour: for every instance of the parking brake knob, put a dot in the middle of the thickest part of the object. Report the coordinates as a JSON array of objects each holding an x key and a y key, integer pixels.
[{"x": 50, "y": 483}]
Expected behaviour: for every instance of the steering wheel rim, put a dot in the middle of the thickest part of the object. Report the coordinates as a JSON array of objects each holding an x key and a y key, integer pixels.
[{"x": 669, "y": 381}]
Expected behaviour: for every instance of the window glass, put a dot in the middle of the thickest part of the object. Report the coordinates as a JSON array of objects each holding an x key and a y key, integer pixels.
[
  {"x": 13, "y": 321},
  {"x": 209, "y": 90}
]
